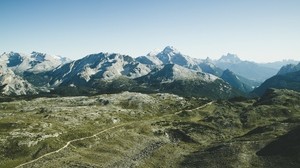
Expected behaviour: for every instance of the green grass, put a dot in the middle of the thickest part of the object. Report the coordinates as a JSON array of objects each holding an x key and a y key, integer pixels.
[{"x": 182, "y": 132}]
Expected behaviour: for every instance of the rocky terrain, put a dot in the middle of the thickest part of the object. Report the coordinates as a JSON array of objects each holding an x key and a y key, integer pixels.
[
  {"x": 40, "y": 73},
  {"x": 164, "y": 109},
  {"x": 150, "y": 130}
]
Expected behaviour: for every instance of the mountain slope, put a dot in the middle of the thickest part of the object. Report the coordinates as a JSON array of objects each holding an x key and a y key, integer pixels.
[
  {"x": 169, "y": 55},
  {"x": 208, "y": 66},
  {"x": 171, "y": 72},
  {"x": 237, "y": 82},
  {"x": 97, "y": 66},
  {"x": 286, "y": 81},
  {"x": 20, "y": 73},
  {"x": 182, "y": 81},
  {"x": 13, "y": 84},
  {"x": 170, "y": 78}
]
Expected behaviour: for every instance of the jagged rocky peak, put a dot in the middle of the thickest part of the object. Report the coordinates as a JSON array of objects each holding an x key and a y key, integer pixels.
[
  {"x": 230, "y": 58},
  {"x": 104, "y": 66},
  {"x": 170, "y": 49},
  {"x": 35, "y": 62},
  {"x": 169, "y": 55},
  {"x": 41, "y": 57},
  {"x": 208, "y": 60}
]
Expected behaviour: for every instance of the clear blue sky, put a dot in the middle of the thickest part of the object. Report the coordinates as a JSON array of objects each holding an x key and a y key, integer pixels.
[{"x": 260, "y": 30}]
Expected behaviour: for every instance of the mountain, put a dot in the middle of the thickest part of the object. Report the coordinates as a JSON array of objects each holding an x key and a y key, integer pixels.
[
  {"x": 111, "y": 73},
  {"x": 34, "y": 63},
  {"x": 247, "y": 69},
  {"x": 169, "y": 55},
  {"x": 12, "y": 84},
  {"x": 238, "y": 82},
  {"x": 208, "y": 66},
  {"x": 282, "y": 81},
  {"x": 168, "y": 71},
  {"x": 150, "y": 59},
  {"x": 171, "y": 72},
  {"x": 18, "y": 71},
  {"x": 97, "y": 66},
  {"x": 289, "y": 68},
  {"x": 182, "y": 81},
  {"x": 229, "y": 59}
]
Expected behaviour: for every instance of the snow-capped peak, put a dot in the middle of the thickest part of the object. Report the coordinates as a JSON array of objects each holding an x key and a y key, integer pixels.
[
  {"x": 169, "y": 55},
  {"x": 104, "y": 66},
  {"x": 170, "y": 49},
  {"x": 35, "y": 62},
  {"x": 208, "y": 60}
]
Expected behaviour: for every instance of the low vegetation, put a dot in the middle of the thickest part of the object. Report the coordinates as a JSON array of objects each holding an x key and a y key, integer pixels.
[{"x": 131, "y": 129}]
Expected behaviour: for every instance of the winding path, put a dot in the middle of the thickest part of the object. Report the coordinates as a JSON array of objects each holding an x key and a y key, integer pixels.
[
  {"x": 94, "y": 135},
  {"x": 69, "y": 142}
]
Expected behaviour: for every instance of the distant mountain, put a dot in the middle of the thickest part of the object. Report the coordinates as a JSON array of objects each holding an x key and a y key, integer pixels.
[
  {"x": 229, "y": 59},
  {"x": 182, "y": 81},
  {"x": 283, "y": 81},
  {"x": 35, "y": 62},
  {"x": 247, "y": 69},
  {"x": 166, "y": 71},
  {"x": 110, "y": 73},
  {"x": 169, "y": 55},
  {"x": 17, "y": 68},
  {"x": 238, "y": 82},
  {"x": 208, "y": 66},
  {"x": 97, "y": 66},
  {"x": 289, "y": 68}
]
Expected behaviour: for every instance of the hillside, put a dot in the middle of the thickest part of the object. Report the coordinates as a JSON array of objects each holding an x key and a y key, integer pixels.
[
  {"x": 285, "y": 81},
  {"x": 147, "y": 130}
]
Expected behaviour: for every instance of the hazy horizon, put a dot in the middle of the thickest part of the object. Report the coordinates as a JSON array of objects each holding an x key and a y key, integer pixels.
[{"x": 260, "y": 31}]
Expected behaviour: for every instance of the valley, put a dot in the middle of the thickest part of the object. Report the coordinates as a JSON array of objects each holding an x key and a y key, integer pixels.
[{"x": 132, "y": 129}]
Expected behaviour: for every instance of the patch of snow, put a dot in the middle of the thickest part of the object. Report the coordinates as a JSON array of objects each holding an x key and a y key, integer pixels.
[{"x": 87, "y": 73}]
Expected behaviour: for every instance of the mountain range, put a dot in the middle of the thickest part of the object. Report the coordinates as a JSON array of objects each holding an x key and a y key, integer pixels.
[
  {"x": 14, "y": 67},
  {"x": 165, "y": 71},
  {"x": 258, "y": 72}
]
